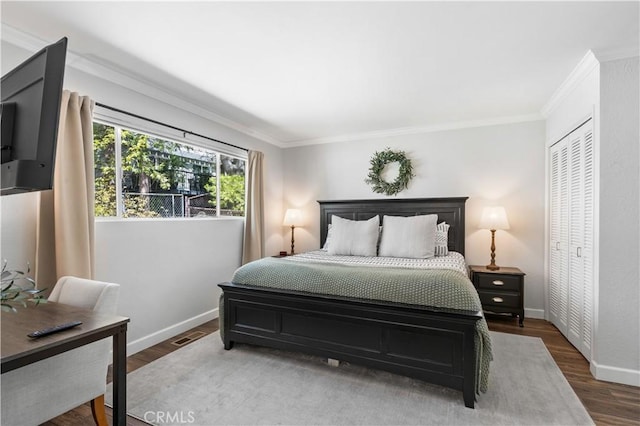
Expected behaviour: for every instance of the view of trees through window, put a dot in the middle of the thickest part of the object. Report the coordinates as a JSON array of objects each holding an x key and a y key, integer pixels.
[{"x": 163, "y": 178}]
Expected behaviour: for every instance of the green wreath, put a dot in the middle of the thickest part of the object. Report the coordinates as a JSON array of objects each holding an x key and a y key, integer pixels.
[{"x": 379, "y": 161}]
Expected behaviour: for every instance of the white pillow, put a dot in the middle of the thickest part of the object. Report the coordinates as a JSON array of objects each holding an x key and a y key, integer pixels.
[
  {"x": 354, "y": 237},
  {"x": 442, "y": 239},
  {"x": 327, "y": 241},
  {"x": 412, "y": 236}
]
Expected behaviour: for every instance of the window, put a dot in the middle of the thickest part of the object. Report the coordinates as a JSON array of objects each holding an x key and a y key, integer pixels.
[{"x": 141, "y": 175}]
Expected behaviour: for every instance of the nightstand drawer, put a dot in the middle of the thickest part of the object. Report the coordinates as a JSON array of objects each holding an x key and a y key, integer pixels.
[
  {"x": 500, "y": 291},
  {"x": 499, "y": 282},
  {"x": 496, "y": 298}
]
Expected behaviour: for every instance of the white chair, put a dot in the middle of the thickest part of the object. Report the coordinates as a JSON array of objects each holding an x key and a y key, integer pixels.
[{"x": 43, "y": 390}]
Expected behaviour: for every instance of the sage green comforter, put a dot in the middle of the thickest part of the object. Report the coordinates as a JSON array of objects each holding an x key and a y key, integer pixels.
[{"x": 443, "y": 288}]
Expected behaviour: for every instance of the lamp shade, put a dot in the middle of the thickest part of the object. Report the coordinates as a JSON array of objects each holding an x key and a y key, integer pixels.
[
  {"x": 494, "y": 218},
  {"x": 293, "y": 217}
]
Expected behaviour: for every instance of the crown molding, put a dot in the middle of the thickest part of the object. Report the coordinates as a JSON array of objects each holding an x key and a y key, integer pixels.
[
  {"x": 354, "y": 137},
  {"x": 618, "y": 53},
  {"x": 21, "y": 39},
  {"x": 591, "y": 60},
  {"x": 579, "y": 73},
  {"x": 132, "y": 82}
]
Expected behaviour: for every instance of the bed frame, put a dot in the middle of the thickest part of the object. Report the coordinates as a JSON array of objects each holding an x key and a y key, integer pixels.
[{"x": 432, "y": 344}]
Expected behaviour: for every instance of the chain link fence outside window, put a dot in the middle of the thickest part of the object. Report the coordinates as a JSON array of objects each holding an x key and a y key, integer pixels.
[
  {"x": 153, "y": 205},
  {"x": 171, "y": 205}
]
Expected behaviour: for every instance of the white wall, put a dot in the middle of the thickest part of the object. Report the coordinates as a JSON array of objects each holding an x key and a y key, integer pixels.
[
  {"x": 18, "y": 233},
  {"x": 176, "y": 264},
  {"x": 618, "y": 338},
  {"x": 491, "y": 165},
  {"x": 168, "y": 270}
]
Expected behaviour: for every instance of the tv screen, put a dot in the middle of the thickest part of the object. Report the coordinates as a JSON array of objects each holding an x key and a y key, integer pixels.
[{"x": 31, "y": 95}]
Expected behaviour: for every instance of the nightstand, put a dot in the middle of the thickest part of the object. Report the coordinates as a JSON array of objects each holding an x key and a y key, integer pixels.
[{"x": 500, "y": 291}]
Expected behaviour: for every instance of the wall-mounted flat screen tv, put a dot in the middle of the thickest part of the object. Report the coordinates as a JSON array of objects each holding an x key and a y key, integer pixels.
[{"x": 31, "y": 95}]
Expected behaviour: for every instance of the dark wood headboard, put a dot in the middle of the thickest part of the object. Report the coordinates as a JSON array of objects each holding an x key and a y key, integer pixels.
[{"x": 450, "y": 210}]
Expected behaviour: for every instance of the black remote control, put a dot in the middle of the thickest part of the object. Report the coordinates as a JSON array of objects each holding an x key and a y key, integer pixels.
[{"x": 54, "y": 329}]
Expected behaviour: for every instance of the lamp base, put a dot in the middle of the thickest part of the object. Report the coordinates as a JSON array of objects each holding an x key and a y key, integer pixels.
[
  {"x": 492, "y": 266},
  {"x": 292, "y": 241}
]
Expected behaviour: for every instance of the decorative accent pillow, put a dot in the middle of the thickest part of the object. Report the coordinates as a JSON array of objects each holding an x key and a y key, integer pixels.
[
  {"x": 442, "y": 239},
  {"x": 354, "y": 237},
  {"x": 412, "y": 236}
]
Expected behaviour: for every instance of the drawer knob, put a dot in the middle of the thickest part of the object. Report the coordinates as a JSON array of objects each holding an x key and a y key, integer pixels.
[
  {"x": 498, "y": 282},
  {"x": 498, "y": 299}
]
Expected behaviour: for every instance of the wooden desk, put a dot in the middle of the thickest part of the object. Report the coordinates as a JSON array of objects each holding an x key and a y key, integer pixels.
[{"x": 18, "y": 350}]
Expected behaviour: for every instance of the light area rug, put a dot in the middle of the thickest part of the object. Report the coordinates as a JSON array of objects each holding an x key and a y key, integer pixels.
[{"x": 202, "y": 384}]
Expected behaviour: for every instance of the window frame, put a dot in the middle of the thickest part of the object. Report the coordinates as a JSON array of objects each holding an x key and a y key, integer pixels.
[{"x": 123, "y": 122}]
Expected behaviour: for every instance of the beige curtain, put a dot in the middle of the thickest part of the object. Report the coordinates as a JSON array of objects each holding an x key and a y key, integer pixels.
[
  {"x": 253, "y": 244},
  {"x": 65, "y": 230}
]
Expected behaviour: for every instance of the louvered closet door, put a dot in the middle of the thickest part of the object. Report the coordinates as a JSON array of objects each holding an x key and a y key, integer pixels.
[
  {"x": 572, "y": 206},
  {"x": 588, "y": 243},
  {"x": 576, "y": 238},
  {"x": 581, "y": 214},
  {"x": 559, "y": 234}
]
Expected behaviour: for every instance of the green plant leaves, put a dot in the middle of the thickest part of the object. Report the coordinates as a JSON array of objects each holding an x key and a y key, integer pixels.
[{"x": 14, "y": 294}]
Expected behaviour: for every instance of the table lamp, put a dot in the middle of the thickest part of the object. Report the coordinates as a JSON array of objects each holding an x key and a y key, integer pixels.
[
  {"x": 494, "y": 218},
  {"x": 292, "y": 218}
]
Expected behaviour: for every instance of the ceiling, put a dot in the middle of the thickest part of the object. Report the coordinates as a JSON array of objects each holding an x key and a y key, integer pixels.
[{"x": 296, "y": 73}]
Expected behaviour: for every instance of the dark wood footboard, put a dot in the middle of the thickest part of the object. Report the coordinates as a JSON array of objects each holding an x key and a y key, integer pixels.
[{"x": 435, "y": 345}]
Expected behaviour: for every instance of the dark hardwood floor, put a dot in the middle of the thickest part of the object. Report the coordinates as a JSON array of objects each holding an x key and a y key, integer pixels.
[{"x": 607, "y": 403}]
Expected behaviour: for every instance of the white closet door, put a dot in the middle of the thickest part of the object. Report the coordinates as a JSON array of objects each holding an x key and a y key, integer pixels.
[
  {"x": 576, "y": 237},
  {"x": 558, "y": 271},
  {"x": 572, "y": 206},
  {"x": 588, "y": 187}
]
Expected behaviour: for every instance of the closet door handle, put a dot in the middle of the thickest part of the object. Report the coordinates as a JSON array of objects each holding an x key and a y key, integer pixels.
[
  {"x": 579, "y": 252},
  {"x": 557, "y": 245},
  {"x": 498, "y": 282},
  {"x": 498, "y": 299}
]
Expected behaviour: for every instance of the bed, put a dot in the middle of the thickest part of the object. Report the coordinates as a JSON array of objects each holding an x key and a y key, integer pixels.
[{"x": 441, "y": 345}]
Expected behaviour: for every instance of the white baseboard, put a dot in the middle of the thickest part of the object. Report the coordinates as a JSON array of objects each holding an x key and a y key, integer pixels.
[
  {"x": 533, "y": 313},
  {"x": 166, "y": 333},
  {"x": 615, "y": 374}
]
